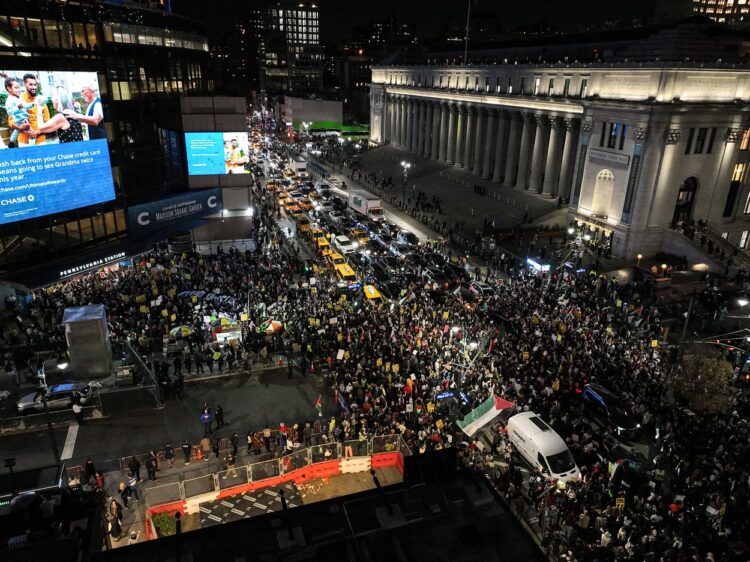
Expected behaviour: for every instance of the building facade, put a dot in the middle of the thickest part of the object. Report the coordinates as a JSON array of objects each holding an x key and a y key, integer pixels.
[
  {"x": 293, "y": 56},
  {"x": 724, "y": 11},
  {"x": 145, "y": 59},
  {"x": 636, "y": 149}
]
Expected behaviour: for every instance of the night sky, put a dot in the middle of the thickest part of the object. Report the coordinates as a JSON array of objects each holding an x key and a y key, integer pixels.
[{"x": 431, "y": 16}]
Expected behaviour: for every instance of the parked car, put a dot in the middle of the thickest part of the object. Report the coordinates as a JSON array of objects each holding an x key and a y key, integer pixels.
[
  {"x": 335, "y": 217},
  {"x": 59, "y": 397},
  {"x": 480, "y": 288},
  {"x": 607, "y": 406},
  {"x": 453, "y": 271},
  {"x": 345, "y": 245},
  {"x": 406, "y": 237}
]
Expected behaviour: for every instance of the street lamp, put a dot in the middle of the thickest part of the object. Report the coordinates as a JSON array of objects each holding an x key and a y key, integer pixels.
[
  {"x": 640, "y": 257},
  {"x": 405, "y": 165},
  {"x": 663, "y": 269},
  {"x": 42, "y": 379}
]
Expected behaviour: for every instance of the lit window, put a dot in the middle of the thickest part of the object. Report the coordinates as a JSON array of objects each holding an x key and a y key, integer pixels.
[
  {"x": 740, "y": 170},
  {"x": 743, "y": 239},
  {"x": 725, "y": 235},
  {"x": 745, "y": 140}
]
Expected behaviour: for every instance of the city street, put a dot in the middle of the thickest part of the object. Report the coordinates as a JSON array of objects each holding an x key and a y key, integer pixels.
[{"x": 249, "y": 403}]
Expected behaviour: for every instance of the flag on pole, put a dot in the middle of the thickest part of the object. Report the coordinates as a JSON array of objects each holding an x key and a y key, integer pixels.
[{"x": 319, "y": 406}]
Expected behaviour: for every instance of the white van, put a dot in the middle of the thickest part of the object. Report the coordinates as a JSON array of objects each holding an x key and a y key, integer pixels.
[{"x": 542, "y": 447}]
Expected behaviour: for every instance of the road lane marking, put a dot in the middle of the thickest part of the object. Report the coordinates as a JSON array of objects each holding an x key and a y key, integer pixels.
[{"x": 70, "y": 442}]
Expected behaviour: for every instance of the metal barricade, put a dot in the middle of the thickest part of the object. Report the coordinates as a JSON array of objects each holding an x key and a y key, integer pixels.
[
  {"x": 233, "y": 477},
  {"x": 355, "y": 448},
  {"x": 385, "y": 444},
  {"x": 165, "y": 493},
  {"x": 296, "y": 460},
  {"x": 263, "y": 470},
  {"x": 324, "y": 452},
  {"x": 200, "y": 485}
]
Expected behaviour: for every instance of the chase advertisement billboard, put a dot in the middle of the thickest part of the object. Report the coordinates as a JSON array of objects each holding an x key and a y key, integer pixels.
[
  {"x": 174, "y": 211},
  {"x": 53, "y": 145}
]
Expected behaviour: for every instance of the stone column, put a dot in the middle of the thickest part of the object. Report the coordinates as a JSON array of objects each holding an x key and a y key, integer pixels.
[
  {"x": 471, "y": 123},
  {"x": 394, "y": 114},
  {"x": 489, "y": 138},
  {"x": 524, "y": 151},
  {"x": 514, "y": 146},
  {"x": 409, "y": 122},
  {"x": 420, "y": 128},
  {"x": 414, "y": 126},
  {"x": 539, "y": 153},
  {"x": 437, "y": 125},
  {"x": 460, "y": 135},
  {"x": 501, "y": 146},
  {"x": 476, "y": 167},
  {"x": 568, "y": 158},
  {"x": 450, "y": 156},
  {"x": 444, "y": 118},
  {"x": 554, "y": 153},
  {"x": 427, "y": 129},
  {"x": 397, "y": 130}
]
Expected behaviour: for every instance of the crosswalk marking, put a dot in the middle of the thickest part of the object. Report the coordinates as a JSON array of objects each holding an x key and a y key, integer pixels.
[{"x": 70, "y": 442}]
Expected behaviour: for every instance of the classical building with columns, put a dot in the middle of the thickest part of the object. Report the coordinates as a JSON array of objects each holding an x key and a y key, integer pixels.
[{"x": 635, "y": 148}]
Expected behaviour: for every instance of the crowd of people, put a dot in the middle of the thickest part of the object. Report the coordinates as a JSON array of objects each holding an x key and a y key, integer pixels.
[{"x": 533, "y": 342}]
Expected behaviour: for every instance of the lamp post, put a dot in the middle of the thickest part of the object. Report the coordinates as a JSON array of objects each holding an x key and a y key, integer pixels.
[
  {"x": 9, "y": 464},
  {"x": 42, "y": 378},
  {"x": 640, "y": 257},
  {"x": 405, "y": 165}
]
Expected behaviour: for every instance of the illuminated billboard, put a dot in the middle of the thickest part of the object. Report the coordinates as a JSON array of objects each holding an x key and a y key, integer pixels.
[
  {"x": 53, "y": 146},
  {"x": 217, "y": 153}
]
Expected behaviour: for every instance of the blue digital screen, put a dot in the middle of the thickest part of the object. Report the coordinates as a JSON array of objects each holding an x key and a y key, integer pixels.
[
  {"x": 53, "y": 146},
  {"x": 217, "y": 153}
]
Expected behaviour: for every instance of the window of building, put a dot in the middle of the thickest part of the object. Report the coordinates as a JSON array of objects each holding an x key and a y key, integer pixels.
[
  {"x": 603, "y": 133},
  {"x": 689, "y": 143},
  {"x": 711, "y": 138},
  {"x": 537, "y": 85},
  {"x": 551, "y": 88},
  {"x": 734, "y": 191},
  {"x": 739, "y": 172},
  {"x": 566, "y": 87},
  {"x": 584, "y": 87},
  {"x": 745, "y": 139},
  {"x": 623, "y": 132},
  {"x": 743, "y": 239},
  {"x": 510, "y": 85},
  {"x": 614, "y": 131},
  {"x": 700, "y": 140},
  {"x": 725, "y": 235}
]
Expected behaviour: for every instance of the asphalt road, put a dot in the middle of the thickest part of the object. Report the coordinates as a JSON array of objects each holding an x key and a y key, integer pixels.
[{"x": 249, "y": 402}]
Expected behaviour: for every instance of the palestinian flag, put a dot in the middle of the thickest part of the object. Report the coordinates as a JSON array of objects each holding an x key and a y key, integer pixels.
[
  {"x": 319, "y": 406},
  {"x": 483, "y": 414}
]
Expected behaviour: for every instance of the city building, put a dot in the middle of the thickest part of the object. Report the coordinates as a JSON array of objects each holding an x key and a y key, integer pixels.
[
  {"x": 637, "y": 148},
  {"x": 144, "y": 58},
  {"x": 724, "y": 11},
  {"x": 293, "y": 56}
]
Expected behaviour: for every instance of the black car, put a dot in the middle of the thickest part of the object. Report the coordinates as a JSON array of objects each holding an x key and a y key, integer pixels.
[
  {"x": 392, "y": 265},
  {"x": 434, "y": 275},
  {"x": 379, "y": 273},
  {"x": 338, "y": 203},
  {"x": 607, "y": 406},
  {"x": 456, "y": 272},
  {"x": 372, "y": 250},
  {"x": 407, "y": 237}
]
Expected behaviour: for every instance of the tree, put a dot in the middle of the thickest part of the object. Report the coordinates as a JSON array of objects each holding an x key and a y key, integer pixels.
[{"x": 702, "y": 380}]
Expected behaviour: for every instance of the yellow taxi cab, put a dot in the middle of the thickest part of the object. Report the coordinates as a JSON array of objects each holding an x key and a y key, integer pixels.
[
  {"x": 359, "y": 235},
  {"x": 305, "y": 204},
  {"x": 290, "y": 205},
  {"x": 281, "y": 197},
  {"x": 324, "y": 246},
  {"x": 345, "y": 272},
  {"x": 372, "y": 295},
  {"x": 272, "y": 186},
  {"x": 314, "y": 196},
  {"x": 303, "y": 223},
  {"x": 316, "y": 232}
]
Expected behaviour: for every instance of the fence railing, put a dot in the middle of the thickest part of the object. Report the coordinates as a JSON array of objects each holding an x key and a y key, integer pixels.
[{"x": 248, "y": 473}]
